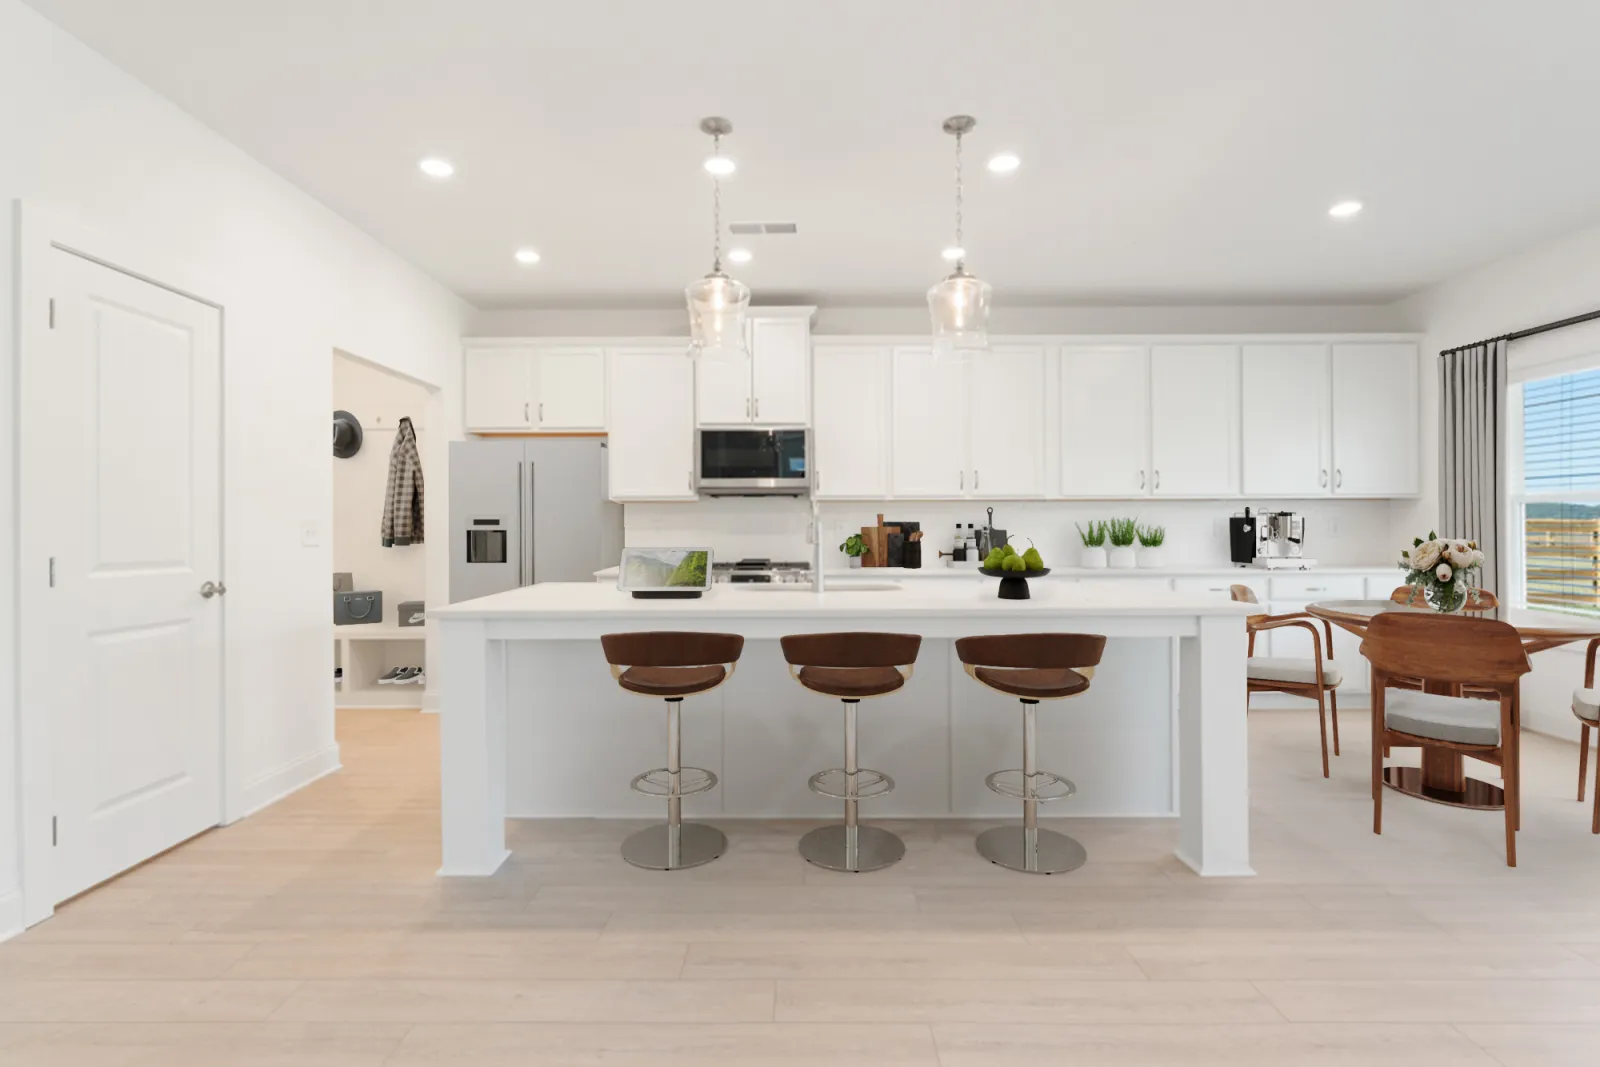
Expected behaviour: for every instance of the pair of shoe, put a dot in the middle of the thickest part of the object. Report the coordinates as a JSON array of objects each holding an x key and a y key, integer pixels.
[{"x": 403, "y": 676}]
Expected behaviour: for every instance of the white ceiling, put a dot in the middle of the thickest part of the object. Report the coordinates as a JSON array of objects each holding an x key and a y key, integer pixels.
[{"x": 1172, "y": 150}]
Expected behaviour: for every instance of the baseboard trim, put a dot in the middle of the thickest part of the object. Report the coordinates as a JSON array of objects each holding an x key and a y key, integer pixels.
[
  {"x": 430, "y": 703},
  {"x": 11, "y": 923},
  {"x": 290, "y": 778}
]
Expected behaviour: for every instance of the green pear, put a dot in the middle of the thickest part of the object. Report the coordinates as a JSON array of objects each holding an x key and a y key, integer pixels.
[
  {"x": 993, "y": 560},
  {"x": 1009, "y": 551},
  {"x": 1033, "y": 560},
  {"x": 1016, "y": 563}
]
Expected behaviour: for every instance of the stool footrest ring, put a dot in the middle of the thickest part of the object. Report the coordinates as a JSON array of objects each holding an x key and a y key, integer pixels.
[
  {"x": 834, "y": 782},
  {"x": 1046, "y": 786},
  {"x": 658, "y": 782}
]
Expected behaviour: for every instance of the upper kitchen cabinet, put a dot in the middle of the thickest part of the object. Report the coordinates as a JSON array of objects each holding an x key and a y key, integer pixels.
[
  {"x": 534, "y": 388},
  {"x": 927, "y": 453},
  {"x": 1285, "y": 420},
  {"x": 850, "y": 422},
  {"x": 570, "y": 388},
  {"x": 652, "y": 424},
  {"x": 772, "y": 387},
  {"x": 498, "y": 389},
  {"x": 1105, "y": 421},
  {"x": 1375, "y": 404},
  {"x": 1005, "y": 423},
  {"x": 1194, "y": 420}
]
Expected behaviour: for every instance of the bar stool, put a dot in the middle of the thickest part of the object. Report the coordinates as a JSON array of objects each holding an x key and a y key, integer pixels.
[
  {"x": 1032, "y": 667},
  {"x": 852, "y": 667},
  {"x": 671, "y": 666}
]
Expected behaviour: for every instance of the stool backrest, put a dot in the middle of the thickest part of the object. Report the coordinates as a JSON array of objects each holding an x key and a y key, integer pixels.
[
  {"x": 1446, "y": 648},
  {"x": 851, "y": 649},
  {"x": 671, "y": 648},
  {"x": 1032, "y": 650}
]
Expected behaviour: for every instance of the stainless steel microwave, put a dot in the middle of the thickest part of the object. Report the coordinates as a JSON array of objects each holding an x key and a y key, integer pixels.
[{"x": 773, "y": 462}]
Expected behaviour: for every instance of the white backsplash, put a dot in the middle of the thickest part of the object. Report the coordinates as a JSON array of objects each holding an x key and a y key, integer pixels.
[{"x": 1338, "y": 532}]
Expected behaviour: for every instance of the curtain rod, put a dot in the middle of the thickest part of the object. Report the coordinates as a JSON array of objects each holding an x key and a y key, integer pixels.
[{"x": 1529, "y": 332}]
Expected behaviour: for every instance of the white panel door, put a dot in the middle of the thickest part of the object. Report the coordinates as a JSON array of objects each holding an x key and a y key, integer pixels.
[
  {"x": 1105, "y": 421},
  {"x": 1285, "y": 420},
  {"x": 122, "y": 492},
  {"x": 1194, "y": 420},
  {"x": 1005, "y": 418},
  {"x": 651, "y": 441},
  {"x": 571, "y": 388},
  {"x": 1375, "y": 417},
  {"x": 781, "y": 354},
  {"x": 722, "y": 391},
  {"x": 850, "y": 423},
  {"x": 928, "y": 453},
  {"x": 498, "y": 387}
]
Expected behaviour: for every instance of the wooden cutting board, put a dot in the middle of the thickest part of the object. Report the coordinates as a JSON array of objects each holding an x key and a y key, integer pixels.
[{"x": 877, "y": 542}]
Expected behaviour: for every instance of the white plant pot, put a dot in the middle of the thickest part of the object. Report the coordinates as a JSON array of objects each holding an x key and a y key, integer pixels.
[
  {"x": 1124, "y": 558},
  {"x": 855, "y": 563},
  {"x": 1152, "y": 557},
  {"x": 1092, "y": 558}
]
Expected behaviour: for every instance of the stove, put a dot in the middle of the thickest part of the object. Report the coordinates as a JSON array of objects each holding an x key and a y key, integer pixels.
[{"x": 762, "y": 570}]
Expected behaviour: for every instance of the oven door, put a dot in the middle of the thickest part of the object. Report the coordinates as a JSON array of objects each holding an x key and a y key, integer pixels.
[{"x": 754, "y": 462}]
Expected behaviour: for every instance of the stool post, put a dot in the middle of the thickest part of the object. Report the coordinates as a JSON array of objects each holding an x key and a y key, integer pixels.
[
  {"x": 1030, "y": 803},
  {"x": 852, "y": 789},
  {"x": 675, "y": 773}
]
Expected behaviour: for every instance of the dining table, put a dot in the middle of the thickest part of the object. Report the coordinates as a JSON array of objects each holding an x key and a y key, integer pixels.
[{"x": 1442, "y": 778}]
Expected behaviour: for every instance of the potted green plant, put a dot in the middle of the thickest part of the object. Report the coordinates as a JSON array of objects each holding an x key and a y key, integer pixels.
[
  {"x": 1150, "y": 540},
  {"x": 855, "y": 548},
  {"x": 1123, "y": 533},
  {"x": 1094, "y": 544}
]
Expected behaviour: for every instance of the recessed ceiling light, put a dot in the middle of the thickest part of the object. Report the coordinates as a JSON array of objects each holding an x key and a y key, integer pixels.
[
  {"x": 1345, "y": 208},
  {"x": 1004, "y": 163},
  {"x": 721, "y": 166},
  {"x": 527, "y": 257},
  {"x": 952, "y": 253},
  {"x": 435, "y": 167},
  {"x": 739, "y": 255}
]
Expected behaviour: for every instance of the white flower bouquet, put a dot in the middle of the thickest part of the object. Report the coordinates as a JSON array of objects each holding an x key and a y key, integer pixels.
[{"x": 1440, "y": 567}]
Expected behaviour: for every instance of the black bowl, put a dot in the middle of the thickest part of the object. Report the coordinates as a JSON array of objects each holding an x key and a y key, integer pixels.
[
  {"x": 1013, "y": 574},
  {"x": 1013, "y": 584}
]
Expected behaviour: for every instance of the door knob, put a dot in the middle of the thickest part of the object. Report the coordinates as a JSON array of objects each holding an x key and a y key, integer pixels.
[{"x": 209, "y": 589}]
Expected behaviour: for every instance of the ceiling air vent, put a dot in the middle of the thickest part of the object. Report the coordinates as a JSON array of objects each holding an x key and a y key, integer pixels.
[{"x": 747, "y": 228}]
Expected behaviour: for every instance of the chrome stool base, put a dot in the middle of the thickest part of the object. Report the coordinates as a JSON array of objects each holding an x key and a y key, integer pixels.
[
  {"x": 829, "y": 846},
  {"x": 1052, "y": 853},
  {"x": 651, "y": 848}
]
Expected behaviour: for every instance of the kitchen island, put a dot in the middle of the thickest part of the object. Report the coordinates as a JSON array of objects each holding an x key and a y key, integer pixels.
[{"x": 533, "y": 724}]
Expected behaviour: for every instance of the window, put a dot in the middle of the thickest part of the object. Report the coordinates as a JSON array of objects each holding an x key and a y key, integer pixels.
[{"x": 1555, "y": 483}]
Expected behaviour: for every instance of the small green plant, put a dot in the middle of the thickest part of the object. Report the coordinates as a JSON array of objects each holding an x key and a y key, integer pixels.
[
  {"x": 1123, "y": 532},
  {"x": 853, "y": 546},
  {"x": 1094, "y": 536},
  {"x": 1152, "y": 536}
]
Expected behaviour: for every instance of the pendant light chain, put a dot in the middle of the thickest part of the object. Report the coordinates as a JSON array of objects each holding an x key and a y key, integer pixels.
[
  {"x": 716, "y": 210},
  {"x": 961, "y": 262}
]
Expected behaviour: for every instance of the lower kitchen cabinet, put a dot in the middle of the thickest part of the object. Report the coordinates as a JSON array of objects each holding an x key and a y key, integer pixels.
[{"x": 652, "y": 424}]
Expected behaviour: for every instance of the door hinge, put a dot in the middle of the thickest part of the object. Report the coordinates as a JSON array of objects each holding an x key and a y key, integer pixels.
[
  {"x": 55, "y": 838},
  {"x": 52, "y": 312},
  {"x": 52, "y": 572}
]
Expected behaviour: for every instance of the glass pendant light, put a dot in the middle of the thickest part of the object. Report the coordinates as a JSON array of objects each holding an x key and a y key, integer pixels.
[
  {"x": 717, "y": 303},
  {"x": 959, "y": 303}
]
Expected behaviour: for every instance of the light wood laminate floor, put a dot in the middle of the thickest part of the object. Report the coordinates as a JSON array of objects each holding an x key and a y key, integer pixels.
[{"x": 315, "y": 933}]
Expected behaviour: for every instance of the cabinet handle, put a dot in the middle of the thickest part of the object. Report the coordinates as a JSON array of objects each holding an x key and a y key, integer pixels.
[
  {"x": 747, "y": 407},
  {"x": 1141, "y": 479},
  {"x": 974, "y": 478},
  {"x": 963, "y": 480},
  {"x": 1338, "y": 477},
  {"x": 541, "y": 413},
  {"x": 525, "y": 417},
  {"x": 758, "y": 407},
  {"x": 1323, "y": 478},
  {"x": 691, "y": 481},
  {"x": 1158, "y": 480}
]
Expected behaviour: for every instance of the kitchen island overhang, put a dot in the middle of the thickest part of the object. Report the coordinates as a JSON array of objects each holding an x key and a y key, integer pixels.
[{"x": 532, "y": 723}]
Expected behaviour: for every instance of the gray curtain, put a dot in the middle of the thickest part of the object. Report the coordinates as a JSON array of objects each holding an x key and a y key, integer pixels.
[{"x": 1472, "y": 451}]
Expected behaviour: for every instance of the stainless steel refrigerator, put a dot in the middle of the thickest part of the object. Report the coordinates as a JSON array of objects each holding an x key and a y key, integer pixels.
[{"x": 529, "y": 510}]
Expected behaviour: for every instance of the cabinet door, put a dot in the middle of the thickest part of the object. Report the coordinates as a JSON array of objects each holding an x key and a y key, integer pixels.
[
  {"x": 722, "y": 391},
  {"x": 1194, "y": 420},
  {"x": 1375, "y": 416},
  {"x": 1005, "y": 421},
  {"x": 571, "y": 388},
  {"x": 1285, "y": 420},
  {"x": 850, "y": 423},
  {"x": 928, "y": 453},
  {"x": 498, "y": 386},
  {"x": 1105, "y": 421},
  {"x": 652, "y": 424},
  {"x": 781, "y": 350}
]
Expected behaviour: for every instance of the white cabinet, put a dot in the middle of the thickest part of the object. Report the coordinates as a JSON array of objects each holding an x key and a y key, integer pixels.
[
  {"x": 1285, "y": 417},
  {"x": 498, "y": 388},
  {"x": 570, "y": 388},
  {"x": 928, "y": 444},
  {"x": 850, "y": 422},
  {"x": 771, "y": 388},
  {"x": 1375, "y": 419},
  {"x": 652, "y": 424},
  {"x": 1105, "y": 421},
  {"x": 1005, "y": 423},
  {"x": 1194, "y": 420}
]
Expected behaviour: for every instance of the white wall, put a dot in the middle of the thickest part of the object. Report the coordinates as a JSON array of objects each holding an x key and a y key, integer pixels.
[{"x": 84, "y": 141}]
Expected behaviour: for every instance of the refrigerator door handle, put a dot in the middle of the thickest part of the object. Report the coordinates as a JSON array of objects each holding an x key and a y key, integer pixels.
[
  {"x": 521, "y": 528},
  {"x": 527, "y": 522}
]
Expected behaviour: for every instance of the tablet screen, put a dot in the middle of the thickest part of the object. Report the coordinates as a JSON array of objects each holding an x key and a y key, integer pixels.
[{"x": 664, "y": 568}]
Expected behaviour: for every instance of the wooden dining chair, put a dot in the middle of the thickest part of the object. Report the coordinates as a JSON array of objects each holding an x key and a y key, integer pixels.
[
  {"x": 1477, "y": 600},
  {"x": 1316, "y": 678},
  {"x": 1586, "y": 706},
  {"x": 1483, "y": 653}
]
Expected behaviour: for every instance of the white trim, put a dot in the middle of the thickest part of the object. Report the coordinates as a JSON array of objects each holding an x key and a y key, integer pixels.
[
  {"x": 290, "y": 778},
  {"x": 11, "y": 923}
]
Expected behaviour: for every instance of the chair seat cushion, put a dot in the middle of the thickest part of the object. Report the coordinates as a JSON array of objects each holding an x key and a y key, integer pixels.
[
  {"x": 1033, "y": 683},
  {"x": 851, "y": 683},
  {"x": 1463, "y": 720},
  {"x": 1586, "y": 704},
  {"x": 672, "y": 681},
  {"x": 1292, "y": 669}
]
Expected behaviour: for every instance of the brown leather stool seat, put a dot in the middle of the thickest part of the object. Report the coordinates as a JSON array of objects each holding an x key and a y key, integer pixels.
[
  {"x": 1032, "y": 667},
  {"x": 852, "y": 667},
  {"x": 673, "y": 665}
]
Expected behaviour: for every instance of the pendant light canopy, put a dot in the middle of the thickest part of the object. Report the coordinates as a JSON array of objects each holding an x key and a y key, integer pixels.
[
  {"x": 959, "y": 303},
  {"x": 717, "y": 303}
]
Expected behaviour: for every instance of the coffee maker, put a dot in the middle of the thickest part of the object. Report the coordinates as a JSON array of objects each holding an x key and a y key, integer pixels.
[{"x": 1274, "y": 540}]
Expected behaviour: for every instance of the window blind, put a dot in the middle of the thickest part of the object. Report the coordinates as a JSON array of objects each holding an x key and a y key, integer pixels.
[{"x": 1561, "y": 465}]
